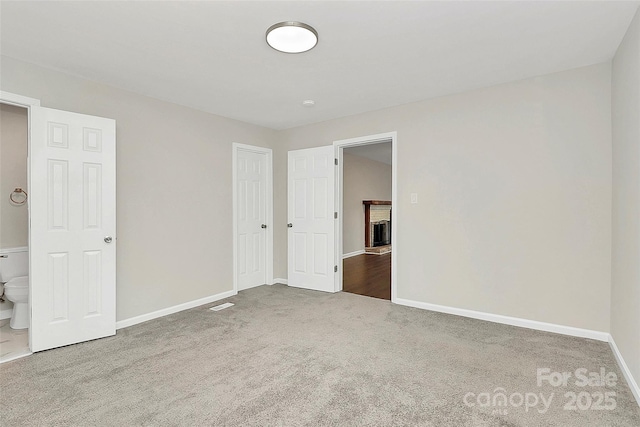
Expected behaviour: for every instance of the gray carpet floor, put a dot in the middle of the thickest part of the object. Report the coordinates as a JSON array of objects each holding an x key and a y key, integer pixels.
[{"x": 289, "y": 357}]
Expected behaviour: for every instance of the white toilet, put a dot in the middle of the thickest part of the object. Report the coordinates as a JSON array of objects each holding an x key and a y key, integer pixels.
[{"x": 16, "y": 290}]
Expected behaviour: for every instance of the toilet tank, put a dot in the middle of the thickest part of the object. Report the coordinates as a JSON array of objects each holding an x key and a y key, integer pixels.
[{"x": 14, "y": 262}]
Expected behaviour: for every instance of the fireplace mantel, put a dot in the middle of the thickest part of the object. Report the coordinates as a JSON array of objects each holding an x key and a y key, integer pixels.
[
  {"x": 367, "y": 218},
  {"x": 376, "y": 202}
]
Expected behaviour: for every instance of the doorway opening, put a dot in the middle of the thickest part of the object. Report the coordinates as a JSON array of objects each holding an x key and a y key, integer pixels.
[
  {"x": 14, "y": 232},
  {"x": 366, "y": 195},
  {"x": 67, "y": 272}
]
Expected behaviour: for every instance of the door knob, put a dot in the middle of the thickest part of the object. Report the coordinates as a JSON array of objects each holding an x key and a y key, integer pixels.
[
  {"x": 263, "y": 226},
  {"x": 108, "y": 239},
  {"x": 290, "y": 225}
]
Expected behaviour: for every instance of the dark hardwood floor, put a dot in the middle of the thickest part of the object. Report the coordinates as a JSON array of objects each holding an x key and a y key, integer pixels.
[{"x": 368, "y": 275}]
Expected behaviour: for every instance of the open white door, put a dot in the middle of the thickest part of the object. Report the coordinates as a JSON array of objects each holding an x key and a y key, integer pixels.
[
  {"x": 72, "y": 163},
  {"x": 311, "y": 186}
]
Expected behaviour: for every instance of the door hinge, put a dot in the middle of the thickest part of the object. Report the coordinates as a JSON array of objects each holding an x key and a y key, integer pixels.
[
  {"x": 335, "y": 215},
  {"x": 336, "y": 161},
  {"x": 335, "y": 268}
]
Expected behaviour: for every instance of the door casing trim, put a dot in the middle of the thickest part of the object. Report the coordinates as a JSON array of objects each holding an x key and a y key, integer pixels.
[
  {"x": 339, "y": 146},
  {"x": 28, "y": 103}
]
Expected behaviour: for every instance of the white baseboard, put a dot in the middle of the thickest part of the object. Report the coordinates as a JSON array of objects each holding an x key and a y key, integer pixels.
[
  {"x": 170, "y": 310},
  {"x": 376, "y": 253},
  {"x": 282, "y": 281},
  {"x": 633, "y": 385},
  {"x": 5, "y": 314},
  {"x": 16, "y": 355},
  {"x": 355, "y": 253},
  {"x": 14, "y": 250},
  {"x": 513, "y": 321}
]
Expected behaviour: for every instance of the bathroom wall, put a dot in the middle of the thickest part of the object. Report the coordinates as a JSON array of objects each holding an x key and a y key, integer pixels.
[{"x": 13, "y": 173}]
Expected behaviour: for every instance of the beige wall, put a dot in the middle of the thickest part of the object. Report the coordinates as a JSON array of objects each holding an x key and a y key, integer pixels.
[
  {"x": 363, "y": 179},
  {"x": 625, "y": 292},
  {"x": 13, "y": 173},
  {"x": 173, "y": 186},
  {"x": 514, "y": 186}
]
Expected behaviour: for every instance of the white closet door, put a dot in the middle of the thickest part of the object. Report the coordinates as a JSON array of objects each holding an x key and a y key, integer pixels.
[
  {"x": 72, "y": 245},
  {"x": 311, "y": 186},
  {"x": 251, "y": 211}
]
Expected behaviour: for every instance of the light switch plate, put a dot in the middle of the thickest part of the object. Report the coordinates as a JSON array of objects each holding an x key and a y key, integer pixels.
[{"x": 414, "y": 198}]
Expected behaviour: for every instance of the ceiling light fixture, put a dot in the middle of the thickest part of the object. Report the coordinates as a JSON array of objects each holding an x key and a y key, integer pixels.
[
  {"x": 292, "y": 37},
  {"x": 308, "y": 103}
]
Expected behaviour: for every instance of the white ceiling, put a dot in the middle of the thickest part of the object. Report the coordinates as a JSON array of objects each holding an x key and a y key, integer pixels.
[
  {"x": 212, "y": 55},
  {"x": 380, "y": 152}
]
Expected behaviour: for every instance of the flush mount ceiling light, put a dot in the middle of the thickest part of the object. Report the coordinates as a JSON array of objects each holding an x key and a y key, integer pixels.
[{"x": 292, "y": 37}]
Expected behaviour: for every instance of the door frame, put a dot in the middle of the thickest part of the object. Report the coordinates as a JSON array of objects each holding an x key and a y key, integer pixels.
[
  {"x": 268, "y": 261},
  {"x": 25, "y": 102},
  {"x": 339, "y": 146}
]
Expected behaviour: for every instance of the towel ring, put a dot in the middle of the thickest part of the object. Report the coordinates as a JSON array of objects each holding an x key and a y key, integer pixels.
[{"x": 21, "y": 192}]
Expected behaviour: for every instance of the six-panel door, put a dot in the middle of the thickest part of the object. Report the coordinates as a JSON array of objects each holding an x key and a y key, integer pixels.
[
  {"x": 251, "y": 211},
  {"x": 73, "y": 225},
  {"x": 311, "y": 178}
]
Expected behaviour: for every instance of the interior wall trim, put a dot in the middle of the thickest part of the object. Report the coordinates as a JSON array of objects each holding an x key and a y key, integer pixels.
[
  {"x": 18, "y": 100},
  {"x": 507, "y": 320},
  {"x": 279, "y": 280},
  {"x": 14, "y": 250},
  {"x": 633, "y": 385},
  {"x": 339, "y": 147},
  {"x": 352, "y": 254},
  {"x": 174, "y": 309}
]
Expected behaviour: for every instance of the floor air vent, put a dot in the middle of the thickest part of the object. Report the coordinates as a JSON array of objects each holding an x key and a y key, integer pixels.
[{"x": 221, "y": 306}]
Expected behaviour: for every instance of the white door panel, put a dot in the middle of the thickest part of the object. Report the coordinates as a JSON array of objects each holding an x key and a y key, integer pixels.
[
  {"x": 311, "y": 216},
  {"x": 251, "y": 181},
  {"x": 72, "y": 210}
]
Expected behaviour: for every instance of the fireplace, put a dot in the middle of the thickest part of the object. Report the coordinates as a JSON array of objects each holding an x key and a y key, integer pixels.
[
  {"x": 377, "y": 223},
  {"x": 381, "y": 233}
]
